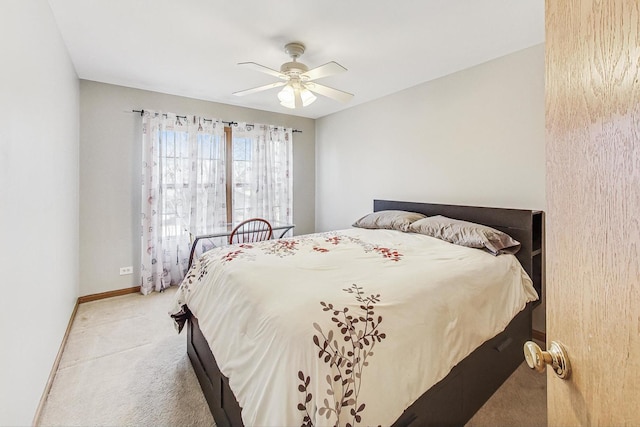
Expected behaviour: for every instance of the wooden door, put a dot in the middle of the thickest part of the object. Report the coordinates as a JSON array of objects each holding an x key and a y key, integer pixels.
[{"x": 593, "y": 209}]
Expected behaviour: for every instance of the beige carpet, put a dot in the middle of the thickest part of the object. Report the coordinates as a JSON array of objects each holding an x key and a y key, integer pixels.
[
  {"x": 124, "y": 365},
  {"x": 521, "y": 401}
]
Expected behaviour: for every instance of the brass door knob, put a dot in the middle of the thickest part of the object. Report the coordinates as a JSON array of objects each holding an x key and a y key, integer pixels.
[{"x": 556, "y": 356}]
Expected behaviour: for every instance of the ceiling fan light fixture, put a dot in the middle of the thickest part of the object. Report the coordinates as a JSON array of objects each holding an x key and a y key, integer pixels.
[
  {"x": 307, "y": 97},
  {"x": 287, "y": 97}
]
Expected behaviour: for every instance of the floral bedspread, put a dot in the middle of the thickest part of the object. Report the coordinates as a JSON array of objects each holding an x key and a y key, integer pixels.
[{"x": 349, "y": 327}]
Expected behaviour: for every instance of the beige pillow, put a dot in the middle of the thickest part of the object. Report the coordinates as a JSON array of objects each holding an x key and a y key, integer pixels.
[
  {"x": 389, "y": 220},
  {"x": 466, "y": 234}
]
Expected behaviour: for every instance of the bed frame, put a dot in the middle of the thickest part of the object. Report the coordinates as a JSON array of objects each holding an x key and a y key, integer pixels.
[{"x": 456, "y": 398}]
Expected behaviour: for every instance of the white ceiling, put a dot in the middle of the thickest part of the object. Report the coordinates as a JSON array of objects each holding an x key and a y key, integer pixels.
[{"x": 191, "y": 47}]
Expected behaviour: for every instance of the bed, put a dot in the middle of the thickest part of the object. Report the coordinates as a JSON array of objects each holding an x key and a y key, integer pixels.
[{"x": 306, "y": 375}]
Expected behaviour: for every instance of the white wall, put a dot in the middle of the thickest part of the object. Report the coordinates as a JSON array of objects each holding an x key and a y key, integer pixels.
[
  {"x": 39, "y": 110},
  {"x": 110, "y": 168},
  {"x": 475, "y": 137}
]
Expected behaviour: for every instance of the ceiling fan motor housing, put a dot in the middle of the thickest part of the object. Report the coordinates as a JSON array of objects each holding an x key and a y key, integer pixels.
[{"x": 294, "y": 69}]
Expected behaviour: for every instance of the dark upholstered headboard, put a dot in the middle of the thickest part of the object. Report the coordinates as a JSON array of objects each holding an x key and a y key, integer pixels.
[{"x": 526, "y": 226}]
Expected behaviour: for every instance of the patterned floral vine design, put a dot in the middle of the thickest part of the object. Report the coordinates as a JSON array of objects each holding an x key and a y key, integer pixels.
[
  {"x": 391, "y": 254},
  {"x": 231, "y": 255},
  {"x": 198, "y": 270},
  {"x": 289, "y": 247},
  {"x": 348, "y": 358},
  {"x": 336, "y": 239},
  {"x": 282, "y": 247},
  {"x": 195, "y": 274}
]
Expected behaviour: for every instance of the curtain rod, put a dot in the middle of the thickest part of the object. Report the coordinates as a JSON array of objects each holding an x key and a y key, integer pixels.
[{"x": 210, "y": 120}]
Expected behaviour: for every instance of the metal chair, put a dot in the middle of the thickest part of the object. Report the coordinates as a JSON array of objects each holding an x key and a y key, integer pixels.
[{"x": 251, "y": 230}]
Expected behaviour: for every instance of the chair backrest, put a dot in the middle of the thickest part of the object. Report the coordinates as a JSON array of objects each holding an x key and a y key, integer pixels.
[{"x": 251, "y": 230}]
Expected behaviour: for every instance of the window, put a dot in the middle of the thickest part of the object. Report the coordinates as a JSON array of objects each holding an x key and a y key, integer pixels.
[
  {"x": 198, "y": 176},
  {"x": 178, "y": 182},
  {"x": 240, "y": 179},
  {"x": 259, "y": 180}
]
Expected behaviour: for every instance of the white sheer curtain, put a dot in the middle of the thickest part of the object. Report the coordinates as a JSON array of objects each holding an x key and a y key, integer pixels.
[
  {"x": 262, "y": 173},
  {"x": 183, "y": 192}
]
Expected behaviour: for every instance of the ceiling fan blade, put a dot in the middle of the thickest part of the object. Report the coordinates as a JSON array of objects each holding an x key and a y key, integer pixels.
[
  {"x": 326, "y": 70},
  {"x": 259, "y": 88},
  {"x": 329, "y": 92},
  {"x": 263, "y": 69}
]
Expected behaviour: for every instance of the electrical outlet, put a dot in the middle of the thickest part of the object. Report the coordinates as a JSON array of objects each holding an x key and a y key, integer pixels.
[{"x": 126, "y": 270}]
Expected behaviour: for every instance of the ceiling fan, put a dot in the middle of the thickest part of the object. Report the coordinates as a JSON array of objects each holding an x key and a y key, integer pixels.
[{"x": 298, "y": 80}]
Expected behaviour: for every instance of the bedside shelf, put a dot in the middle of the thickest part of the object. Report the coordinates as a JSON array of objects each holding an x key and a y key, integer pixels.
[{"x": 537, "y": 266}]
